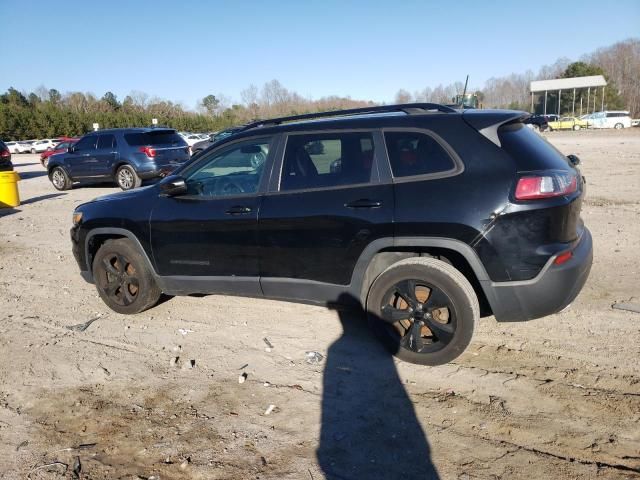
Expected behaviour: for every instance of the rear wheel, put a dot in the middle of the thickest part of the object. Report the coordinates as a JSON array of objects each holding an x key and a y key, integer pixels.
[
  {"x": 123, "y": 280},
  {"x": 127, "y": 178},
  {"x": 60, "y": 179},
  {"x": 423, "y": 310},
  {"x": 576, "y": 127},
  {"x": 33, "y": 150},
  {"x": 618, "y": 126}
]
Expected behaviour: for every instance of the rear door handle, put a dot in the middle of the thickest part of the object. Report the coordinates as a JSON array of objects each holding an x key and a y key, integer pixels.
[
  {"x": 238, "y": 210},
  {"x": 364, "y": 203}
]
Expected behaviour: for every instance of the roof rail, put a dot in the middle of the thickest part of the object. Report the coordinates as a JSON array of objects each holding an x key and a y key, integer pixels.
[{"x": 408, "y": 108}]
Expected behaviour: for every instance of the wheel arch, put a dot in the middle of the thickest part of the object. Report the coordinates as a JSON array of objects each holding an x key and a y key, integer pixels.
[
  {"x": 98, "y": 236},
  {"x": 121, "y": 162},
  {"x": 383, "y": 253}
]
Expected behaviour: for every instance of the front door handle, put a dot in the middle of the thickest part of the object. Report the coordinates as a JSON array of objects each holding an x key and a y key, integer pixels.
[
  {"x": 238, "y": 210},
  {"x": 364, "y": 203}
]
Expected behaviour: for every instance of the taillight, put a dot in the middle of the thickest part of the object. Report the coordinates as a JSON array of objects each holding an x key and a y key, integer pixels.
[
  {"x": 5, "y": 153},
  {"x": 546, "y": 185},
  {"x": 148, "y": 151}
]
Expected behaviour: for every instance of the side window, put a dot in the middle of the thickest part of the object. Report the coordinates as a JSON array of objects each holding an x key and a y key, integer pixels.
[
  {"x": 327, "y": 160},
  {"x": 86, "y": 143},
  {"x": 414, "y": 153},
  {"x": 236, "y": 170},
  {"x": 106, "y": 142}
]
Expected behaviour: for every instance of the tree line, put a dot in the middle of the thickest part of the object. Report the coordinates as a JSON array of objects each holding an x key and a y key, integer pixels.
[{"x": 47, "y": 113}]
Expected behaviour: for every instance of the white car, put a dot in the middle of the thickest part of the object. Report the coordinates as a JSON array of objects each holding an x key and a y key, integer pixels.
[
  {"x": 192, "y": 138},
  {"x": 610, "y": 119},
  {"x": 17, "y": 147},
  {"x": 42, "y": 145}
]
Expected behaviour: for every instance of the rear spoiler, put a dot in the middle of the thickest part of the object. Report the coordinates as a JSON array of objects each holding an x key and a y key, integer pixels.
[{"x": 487, "y": 122}]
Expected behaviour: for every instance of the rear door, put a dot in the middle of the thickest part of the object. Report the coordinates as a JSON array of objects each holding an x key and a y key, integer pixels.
[
  {"x": 106, "y": 155},
  {"x": 326, "y": 204}
]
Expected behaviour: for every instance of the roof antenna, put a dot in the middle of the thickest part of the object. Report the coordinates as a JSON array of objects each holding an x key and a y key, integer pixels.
[{"x": 464, "y": 93}]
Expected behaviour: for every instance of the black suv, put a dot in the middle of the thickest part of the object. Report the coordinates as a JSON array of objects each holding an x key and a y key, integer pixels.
[
  {"x": 539, "y": 122},
  {"x": 124, "y": 155},
  {"x": 425, "y": 217}
]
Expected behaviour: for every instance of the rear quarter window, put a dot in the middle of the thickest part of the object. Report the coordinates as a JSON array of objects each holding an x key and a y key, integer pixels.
[
  {"x": 154, "y": 138},
  {"x": 415, "y": 153},
  {"x": 530, "y": 150}
]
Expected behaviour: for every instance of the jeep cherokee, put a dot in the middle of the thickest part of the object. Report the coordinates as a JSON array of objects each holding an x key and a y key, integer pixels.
[{"x": 424, "y": 216}]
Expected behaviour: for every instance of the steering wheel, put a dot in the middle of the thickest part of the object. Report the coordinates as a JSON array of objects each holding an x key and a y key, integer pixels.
[
  {"x": 228, "y": 186},
  {"x": 257, "y": 159}
]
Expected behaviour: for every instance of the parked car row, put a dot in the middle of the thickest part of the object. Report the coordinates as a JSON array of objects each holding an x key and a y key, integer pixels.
[
  {"x": 606, "y": 119},
  {"x": 33, "y": 146}
]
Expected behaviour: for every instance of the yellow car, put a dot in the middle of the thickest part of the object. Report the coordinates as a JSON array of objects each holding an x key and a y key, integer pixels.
[{"x": 568, "y": 123}]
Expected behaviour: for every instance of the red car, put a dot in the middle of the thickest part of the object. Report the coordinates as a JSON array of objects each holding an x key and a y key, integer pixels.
[{"x": 59, "y": 148}]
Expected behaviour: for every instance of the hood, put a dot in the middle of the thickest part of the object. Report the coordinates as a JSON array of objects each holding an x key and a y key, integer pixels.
[{"x": 128, "y": 194}]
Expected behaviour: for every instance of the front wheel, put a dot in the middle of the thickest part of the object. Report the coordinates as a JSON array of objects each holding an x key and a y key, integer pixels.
[
  {"x": 60, "y": 179},
  {"x": 127, "y": 178},
  {"x": 618, "y": 126},
  {"x": 123, "y": 279},
  {"x": 576, "y": 127},
  {"x": 424, "y": 310}
]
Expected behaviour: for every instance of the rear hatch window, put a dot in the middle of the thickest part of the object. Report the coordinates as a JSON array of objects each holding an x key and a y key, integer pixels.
[
  {"x": 160, "y": 137},
  {"x": 530, "y": 150}
]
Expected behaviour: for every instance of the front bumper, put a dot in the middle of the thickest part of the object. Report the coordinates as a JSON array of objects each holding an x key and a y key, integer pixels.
[{"x": 552, "y": 290}]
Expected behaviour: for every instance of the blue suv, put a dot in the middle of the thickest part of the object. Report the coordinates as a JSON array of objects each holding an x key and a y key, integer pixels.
[{"x": 124, "y": 155}]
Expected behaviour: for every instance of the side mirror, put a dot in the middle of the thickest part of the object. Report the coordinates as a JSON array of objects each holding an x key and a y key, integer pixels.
[
  {"x": 71, "y": 149},
  {"x": 173, "y": 186},
  {"x": 574, "y": 160}
]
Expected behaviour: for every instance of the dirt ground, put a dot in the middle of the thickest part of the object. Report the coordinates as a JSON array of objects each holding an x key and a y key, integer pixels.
[{"x": 557, "y": 397}]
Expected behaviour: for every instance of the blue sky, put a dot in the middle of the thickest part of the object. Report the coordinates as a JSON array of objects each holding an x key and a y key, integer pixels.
[{"x": 184, "y": 50}]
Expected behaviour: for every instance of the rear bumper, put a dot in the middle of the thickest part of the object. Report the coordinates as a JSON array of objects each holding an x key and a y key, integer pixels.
[{"x": 552, "y": 290}]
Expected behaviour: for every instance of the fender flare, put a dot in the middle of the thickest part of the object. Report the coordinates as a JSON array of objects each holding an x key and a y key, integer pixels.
[
  {"x": 359, "y": 287},
  {"x": 116, "y": 231}
]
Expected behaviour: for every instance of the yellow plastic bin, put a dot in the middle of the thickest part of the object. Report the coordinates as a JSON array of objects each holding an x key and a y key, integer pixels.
[{"x": 9, "y": 195}]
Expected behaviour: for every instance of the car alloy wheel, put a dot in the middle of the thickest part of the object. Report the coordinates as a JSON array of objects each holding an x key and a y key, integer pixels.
[
  {"x": 423, "y": 316},
  {"x": 618, "y": 126},
  {"x": 60, "y": 180},
  {"x": 121, "y": 282},
  {"x": 125, "y": 179}
]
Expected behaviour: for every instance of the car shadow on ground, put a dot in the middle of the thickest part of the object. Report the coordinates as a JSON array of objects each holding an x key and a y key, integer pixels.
[
  {"x": 40, "y": 198},
  {"x": 16, "y": 165},
  {"x": 6, "y": 211},
  {"x": 369, "y": 426},
  {"x": 29, "y": 175}
]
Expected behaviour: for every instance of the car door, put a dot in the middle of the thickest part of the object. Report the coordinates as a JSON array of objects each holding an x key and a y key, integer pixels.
[
  {"x": 208, "y": 235},
  {"x": 106, "y": 155},
  {"x": 325, "y": 205},
  {"x": 80, "y": 160}
]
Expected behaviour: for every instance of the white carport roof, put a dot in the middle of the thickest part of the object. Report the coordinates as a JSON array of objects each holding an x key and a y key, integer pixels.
[{"x": 567, "y": 83}]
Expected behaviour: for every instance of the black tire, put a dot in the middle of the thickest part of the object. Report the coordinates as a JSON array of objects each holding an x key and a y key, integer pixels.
[
  {"x": 123, "y": 280},
  {"x": 444, "y": 331},
  {"x": 127, "y": 178},
  {"x": 60, "y": 179},
  {"x": 618, "y": 126}
]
